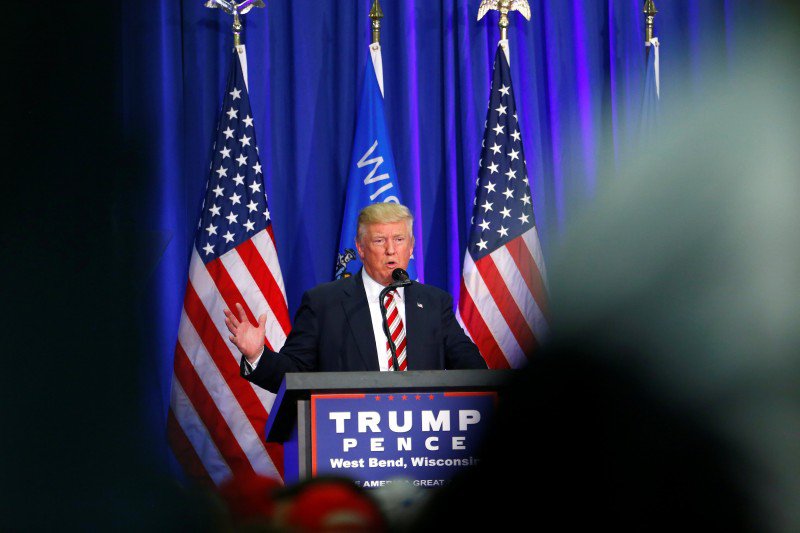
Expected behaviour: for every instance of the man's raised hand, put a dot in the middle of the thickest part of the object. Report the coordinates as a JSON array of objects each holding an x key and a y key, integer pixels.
[{"x": 247, "y": 337}]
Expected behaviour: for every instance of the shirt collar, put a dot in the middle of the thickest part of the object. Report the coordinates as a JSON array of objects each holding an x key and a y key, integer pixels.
[{"x": 373, "y": 288}]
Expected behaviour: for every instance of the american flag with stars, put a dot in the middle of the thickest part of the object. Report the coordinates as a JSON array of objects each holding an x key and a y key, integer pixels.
[
  {"x": 503, "y": 299},
  {"x": 217, "y": 419}
]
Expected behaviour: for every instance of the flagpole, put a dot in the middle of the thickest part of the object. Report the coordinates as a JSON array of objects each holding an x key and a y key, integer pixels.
[
  {"x": 376, "y": 14},
  {"x": 649, "y": 20},
  {"x": 237, "y": 10}
]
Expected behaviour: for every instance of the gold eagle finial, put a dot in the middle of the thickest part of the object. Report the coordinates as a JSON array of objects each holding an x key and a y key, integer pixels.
[
  {"x": 504, "y": 7},
  {"x": 242, "y": 8},
  {"x": 232, "y": 8}
]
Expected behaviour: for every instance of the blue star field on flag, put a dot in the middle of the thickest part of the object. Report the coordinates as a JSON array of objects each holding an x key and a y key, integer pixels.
[
  {"x": 503, "y": 209},
  {"x": 235, "y": 206}
]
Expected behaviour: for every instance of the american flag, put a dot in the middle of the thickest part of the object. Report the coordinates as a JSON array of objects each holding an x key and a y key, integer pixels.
[
  {"x": 503, "y": 301},
  {"x": 217, "y": 419}
]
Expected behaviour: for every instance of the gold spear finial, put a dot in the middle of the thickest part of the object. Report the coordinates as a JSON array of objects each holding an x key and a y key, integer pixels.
[
  {"x": 504, "y": 7},
  {"x": 232, "y": 8},
  {"x": 649, "y": 19},
  {"x": 376, "y": 14}
]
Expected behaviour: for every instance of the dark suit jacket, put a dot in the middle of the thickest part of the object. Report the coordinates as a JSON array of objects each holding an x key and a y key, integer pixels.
[{"x": 332, "y": 331}]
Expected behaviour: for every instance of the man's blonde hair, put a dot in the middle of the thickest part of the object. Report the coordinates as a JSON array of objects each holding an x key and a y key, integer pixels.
[{"x": 384, "y": 213}]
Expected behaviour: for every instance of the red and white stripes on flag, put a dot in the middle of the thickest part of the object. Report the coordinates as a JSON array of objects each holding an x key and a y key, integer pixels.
[
  {"x": 216, "y": 419},
  {"x": 503, "y": 300}
]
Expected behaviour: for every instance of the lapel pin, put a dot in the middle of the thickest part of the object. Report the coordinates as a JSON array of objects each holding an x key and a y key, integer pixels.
[{"x": 419, "y": 304}]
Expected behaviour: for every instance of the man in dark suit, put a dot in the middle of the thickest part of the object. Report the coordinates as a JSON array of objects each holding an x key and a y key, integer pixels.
[{"x": 338, "y": 326}]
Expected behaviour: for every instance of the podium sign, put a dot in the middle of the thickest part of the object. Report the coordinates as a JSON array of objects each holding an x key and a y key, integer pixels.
[
  {"x": 421, "y": 425},
  {"x": 423, "y": 437}
]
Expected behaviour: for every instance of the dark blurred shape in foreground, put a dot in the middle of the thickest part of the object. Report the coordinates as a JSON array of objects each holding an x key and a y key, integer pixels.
[{"x": 668, "y": 398}]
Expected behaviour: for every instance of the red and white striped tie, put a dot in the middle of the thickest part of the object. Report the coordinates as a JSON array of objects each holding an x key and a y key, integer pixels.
[{"x": 397, "y": 330}]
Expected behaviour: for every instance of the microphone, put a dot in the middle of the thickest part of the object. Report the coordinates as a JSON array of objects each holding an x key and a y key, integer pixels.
[{"x": 400, "y": 278}]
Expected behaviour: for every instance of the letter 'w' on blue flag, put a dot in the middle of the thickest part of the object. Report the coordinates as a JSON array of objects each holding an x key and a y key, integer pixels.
[
  {"x": 372, "y": 177},
  {"x": 648, "y": 124}
]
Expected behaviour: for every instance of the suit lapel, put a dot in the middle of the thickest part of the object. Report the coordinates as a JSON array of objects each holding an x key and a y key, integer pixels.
[
  {"x": 415, "y": 317},
  {"x": 356, "y": 310}
]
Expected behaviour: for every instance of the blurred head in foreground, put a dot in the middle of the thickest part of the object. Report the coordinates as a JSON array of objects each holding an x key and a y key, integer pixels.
[{"x": 327, "y": 504}]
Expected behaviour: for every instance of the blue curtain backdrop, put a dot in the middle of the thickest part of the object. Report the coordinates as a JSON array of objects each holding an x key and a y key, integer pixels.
[{"x": 578, "y": 72}]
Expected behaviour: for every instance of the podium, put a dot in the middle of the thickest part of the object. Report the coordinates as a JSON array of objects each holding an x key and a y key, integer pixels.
[{"x": 377, "y": 427}]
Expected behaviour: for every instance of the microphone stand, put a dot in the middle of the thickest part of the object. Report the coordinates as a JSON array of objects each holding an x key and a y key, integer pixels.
[
  {"x": 392, "y": 347},
  {"x": 400, "y": 277}
]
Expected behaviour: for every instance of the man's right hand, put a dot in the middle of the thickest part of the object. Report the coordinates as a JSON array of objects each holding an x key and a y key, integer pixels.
[{"x": 249, "y": 339}]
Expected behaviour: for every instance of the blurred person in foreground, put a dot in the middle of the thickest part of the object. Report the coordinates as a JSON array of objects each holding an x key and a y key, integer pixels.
[
  {"x": 668, "y": 398},
  {"x": 329, "y": 504},
  {"x": 338, "y": 326}
]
